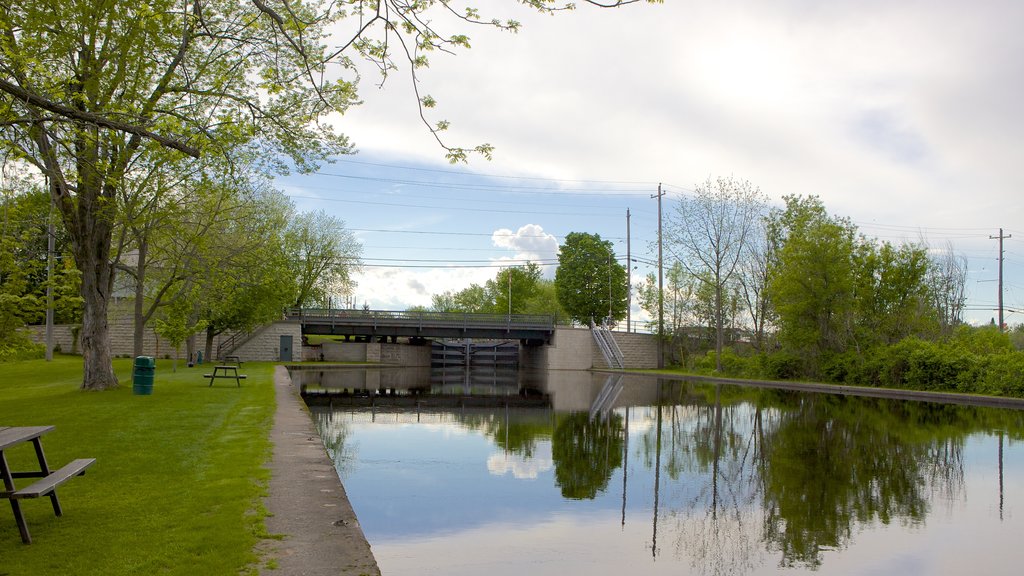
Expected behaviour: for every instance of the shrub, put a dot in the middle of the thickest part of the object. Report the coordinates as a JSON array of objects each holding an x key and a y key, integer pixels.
[
  {"x": 1002, "y": 375},
  {"x": 18, "y": 346},
  {"x": 782, "y": 366}
]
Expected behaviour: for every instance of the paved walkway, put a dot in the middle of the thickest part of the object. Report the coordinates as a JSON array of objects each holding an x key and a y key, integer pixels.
[{"x": 307, "y": 502}]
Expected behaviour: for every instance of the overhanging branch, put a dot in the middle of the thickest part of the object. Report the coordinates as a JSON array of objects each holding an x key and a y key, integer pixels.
[{"x": 38, "y": 101}]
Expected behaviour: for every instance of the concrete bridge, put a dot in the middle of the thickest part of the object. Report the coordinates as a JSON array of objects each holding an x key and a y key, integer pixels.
[{"x": 385, "y": 325}]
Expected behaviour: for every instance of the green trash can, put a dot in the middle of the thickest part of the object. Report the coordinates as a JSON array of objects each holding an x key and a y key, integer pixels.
[{"x": 142, "y": 375}]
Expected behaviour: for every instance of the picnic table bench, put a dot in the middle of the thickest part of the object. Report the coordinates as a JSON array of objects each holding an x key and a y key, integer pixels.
[
  {"x": 225, "y": 371},
  {"x": 233, "y": 360},
  {"x": 49, "y": 479}
]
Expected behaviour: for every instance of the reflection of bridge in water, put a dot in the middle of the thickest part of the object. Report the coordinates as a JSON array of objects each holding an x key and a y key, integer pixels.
[
  {"x": 413, "y": 388},
  {"x": 530, "y": 329}
]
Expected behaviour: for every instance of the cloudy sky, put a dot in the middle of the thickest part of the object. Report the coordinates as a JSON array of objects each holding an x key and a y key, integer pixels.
[{"x": 906, "y": 117}]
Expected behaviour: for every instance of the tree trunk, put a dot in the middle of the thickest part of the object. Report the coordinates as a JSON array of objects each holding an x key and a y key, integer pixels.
[
  {"x": 139, "y": 317},
  {"x": 97, "y": 282},
  {"x": 210, "y": 333}
]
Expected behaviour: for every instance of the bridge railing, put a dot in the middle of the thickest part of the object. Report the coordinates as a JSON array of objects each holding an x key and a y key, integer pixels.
[{"x": 424, "y": 318}]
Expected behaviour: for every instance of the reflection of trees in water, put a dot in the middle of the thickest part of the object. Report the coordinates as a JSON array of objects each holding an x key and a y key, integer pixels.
[
  {"x": 585, "y": 453},
  {"x": 334, "y": 431},
  {"x": 714, "y": 451},
  {"x": 796, "y": 474},
  {"x": 836, "y": 463}
]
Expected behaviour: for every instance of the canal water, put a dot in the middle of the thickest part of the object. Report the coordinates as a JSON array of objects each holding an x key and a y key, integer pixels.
[{"x": 580, "y": 473}]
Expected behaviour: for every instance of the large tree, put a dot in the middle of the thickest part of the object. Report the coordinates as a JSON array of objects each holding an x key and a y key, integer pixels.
[
  {"x": 590, "y": 283},
  {"x": 323, "y": 254},
  {"x": 813, "y": 287},
  {"x": 709, "y": 232},
  {"x": 91, "y": 89}
]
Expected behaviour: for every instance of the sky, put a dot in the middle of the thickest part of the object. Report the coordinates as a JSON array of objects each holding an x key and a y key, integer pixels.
[{"x": 905, "y": 117}]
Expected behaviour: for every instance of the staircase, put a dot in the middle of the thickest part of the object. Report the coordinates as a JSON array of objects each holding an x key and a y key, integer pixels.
[
  {"x": 609, "y": 349},
  {"x": 606, "y": 398}
]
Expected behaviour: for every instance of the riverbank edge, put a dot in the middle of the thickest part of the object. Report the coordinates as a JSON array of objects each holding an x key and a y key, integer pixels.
[
  {"x": 844, "y": 389},
  {"x": 313, "y": 526}
]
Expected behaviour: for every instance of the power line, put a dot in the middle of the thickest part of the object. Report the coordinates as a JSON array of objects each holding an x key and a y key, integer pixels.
[{"x": 486, "y": 175}]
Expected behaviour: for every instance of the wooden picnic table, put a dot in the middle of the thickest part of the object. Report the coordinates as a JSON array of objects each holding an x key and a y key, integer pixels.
[
  {"x": 225, "y": 371},
  {"x": 233, "y": 360},
  {"x": 13, "y": 436}
]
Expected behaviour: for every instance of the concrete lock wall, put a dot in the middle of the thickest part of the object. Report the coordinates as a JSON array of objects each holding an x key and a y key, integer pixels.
[
  {"x": 570, "y": 348},
  {"x": 385, "y": 353},
  {"x": 575, "y": 349},
  {"x": 265, "y": 343}
]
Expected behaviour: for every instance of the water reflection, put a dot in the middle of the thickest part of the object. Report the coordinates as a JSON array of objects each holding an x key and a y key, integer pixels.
[{"x": 665, "y": 477}]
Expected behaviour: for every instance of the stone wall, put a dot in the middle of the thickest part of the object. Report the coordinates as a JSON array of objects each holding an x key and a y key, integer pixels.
[
  {"x": 638, "y": 350},
  {"x": 575, "y": 349},
  {"x": 570, "y": 348},
  {"x": 265, "y": 342},
  {"x": 264, "y": 346},
  {"x": 385, "y": 353}
]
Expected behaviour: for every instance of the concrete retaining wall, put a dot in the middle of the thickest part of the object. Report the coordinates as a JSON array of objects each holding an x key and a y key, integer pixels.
[
  {"x": 575, "y": 349},
  {"x": 570, "y": 349},
  {"x": 385, "y": 353},
  {"x": 265, "y": 343}
]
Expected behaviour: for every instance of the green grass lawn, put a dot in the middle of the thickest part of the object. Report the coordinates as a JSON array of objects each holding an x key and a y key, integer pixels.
[{"x": 178, "y": 477}]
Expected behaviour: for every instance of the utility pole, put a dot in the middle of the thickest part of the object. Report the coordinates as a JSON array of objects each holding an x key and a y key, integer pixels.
[
  {"x": 1001, "y": 237},
  {"x": 629, "y": 278},
  {"x": 661, "y": 292}
]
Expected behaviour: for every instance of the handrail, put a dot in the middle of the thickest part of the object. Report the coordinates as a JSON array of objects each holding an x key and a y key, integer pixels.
[
  {"x": 609, "y": 348},
  {"x": 454, "y": 319}
]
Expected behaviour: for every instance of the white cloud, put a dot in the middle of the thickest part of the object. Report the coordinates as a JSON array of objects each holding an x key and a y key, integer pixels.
[
  {"x": 530, "y": 242},
  {"x": 501, "y": 463},
  {"x": 893, "y": 113}
]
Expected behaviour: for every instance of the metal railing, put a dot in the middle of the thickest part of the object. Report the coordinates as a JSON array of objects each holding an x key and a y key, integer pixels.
[
  {"x": 422, "y": 318},
  {"x": 609, "y": 348}
]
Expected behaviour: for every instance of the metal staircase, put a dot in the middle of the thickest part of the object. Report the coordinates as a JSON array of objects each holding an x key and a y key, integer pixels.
[
  {"x": 606, "y": 398},
  {"x": 609, "y": 348}
]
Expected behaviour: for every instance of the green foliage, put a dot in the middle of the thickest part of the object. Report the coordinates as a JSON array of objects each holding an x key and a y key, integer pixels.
[
  {"x": 16, "y": 345},
  {"x": 589, "y": 282},
  {"x": 813, "y": 285},
  {"x": 982, "y": 340},
  {"x": 323, "y": 255},
  {"x": 782, "y": 366},
  {"x": 732, "y": 364},
  {"x": 528, "y": 292},
  {"x": 512, "y": 288},
  {"x": 975, "y": 360}
]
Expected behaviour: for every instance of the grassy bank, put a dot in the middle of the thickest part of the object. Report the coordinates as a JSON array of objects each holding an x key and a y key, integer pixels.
[{"x": 177, "y": 482}]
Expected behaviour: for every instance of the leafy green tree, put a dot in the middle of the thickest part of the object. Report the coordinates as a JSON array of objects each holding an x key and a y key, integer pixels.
[
  {"x": 512, "y": 288},
  {"x": 589, "y": 282},
  {"x": 177, "y": 324},
  {"x": 545, "y": 301},
  {"x": 473, "y": 299},
  {"x": 324, "y": 255},
  {"x": 91, "y": 90},
  {"x": 25, "y": 213},
  {"x": 250, "y": 280},
  {"x": 813, "y": 288},
  {"x": 892, "y": 293}
]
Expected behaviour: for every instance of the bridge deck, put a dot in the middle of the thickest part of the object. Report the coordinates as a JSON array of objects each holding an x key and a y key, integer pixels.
[{"x": 532, "y": 328}]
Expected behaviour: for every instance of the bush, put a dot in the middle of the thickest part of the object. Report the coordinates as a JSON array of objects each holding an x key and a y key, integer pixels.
[
  {"x": 18, "y": 346},
  {"x": 782, "y": 366},
  {"x": 1002, "y": 375}
]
